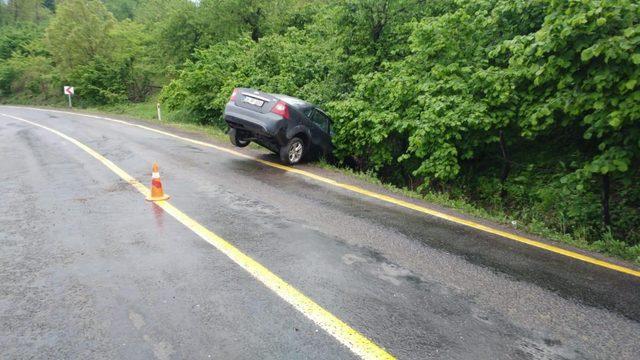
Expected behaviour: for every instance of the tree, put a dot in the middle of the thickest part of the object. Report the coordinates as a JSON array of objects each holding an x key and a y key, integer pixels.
[
  {"x": 79, "y": 33},
  {"x": 134, "y": 50},
  {"x": 20, "y": 11},
  {"x": 581, "y": 71},
  {"x": 230, "y": 18},
  {"x": 122, "y": 9},
  {"x": 108, "y": 61},
  {"x": 16, "y": 38}
]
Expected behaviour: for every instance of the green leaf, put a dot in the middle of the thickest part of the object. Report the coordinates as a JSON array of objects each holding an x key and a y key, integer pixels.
[
  {"x": 631, "y": 84},
  {"x": 621, "y": 165},
  {"x": 587, "y": 54},
  {"x": 615, "y": 122}
]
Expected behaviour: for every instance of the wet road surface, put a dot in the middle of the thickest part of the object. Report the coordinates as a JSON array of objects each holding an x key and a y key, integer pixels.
[{"x": 89, "y": 269}]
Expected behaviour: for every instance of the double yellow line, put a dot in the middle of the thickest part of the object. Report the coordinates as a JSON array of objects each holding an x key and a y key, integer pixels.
[
  {"x": 349, "y": 337},
  {"x": 386, "y": 198}
]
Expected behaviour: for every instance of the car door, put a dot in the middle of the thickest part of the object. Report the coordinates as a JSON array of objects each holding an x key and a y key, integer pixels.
[{"x": 321, "y": 130}]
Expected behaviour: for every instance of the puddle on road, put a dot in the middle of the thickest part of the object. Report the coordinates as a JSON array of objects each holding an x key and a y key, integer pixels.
[
  {"x": 546, "y": 349},
  {"x": 158, "y": 216},
  {"x": 120, "y": 186},
  {"x": 382, "y": 269}
]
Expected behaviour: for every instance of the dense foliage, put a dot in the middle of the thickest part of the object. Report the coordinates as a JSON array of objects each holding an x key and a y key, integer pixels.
[{"x": 529, "y": 107}]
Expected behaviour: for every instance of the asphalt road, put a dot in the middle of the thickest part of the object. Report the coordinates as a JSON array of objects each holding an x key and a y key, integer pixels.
[{"x": 89, "y": 269}]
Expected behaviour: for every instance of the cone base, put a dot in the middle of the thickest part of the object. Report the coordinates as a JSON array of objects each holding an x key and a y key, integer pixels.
[{"x": 158, "y": 198}]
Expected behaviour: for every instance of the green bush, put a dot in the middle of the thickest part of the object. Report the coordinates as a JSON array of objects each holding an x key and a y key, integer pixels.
[{"x": 204, "y": 86}]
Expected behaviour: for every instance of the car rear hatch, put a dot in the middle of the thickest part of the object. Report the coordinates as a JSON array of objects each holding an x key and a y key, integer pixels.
[{"x": 254, "y": 100}]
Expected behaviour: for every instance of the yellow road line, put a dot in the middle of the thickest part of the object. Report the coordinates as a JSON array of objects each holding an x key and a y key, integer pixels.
[
  {"x": 352, "y": 339},
  {"x": 386, "y": 198}
]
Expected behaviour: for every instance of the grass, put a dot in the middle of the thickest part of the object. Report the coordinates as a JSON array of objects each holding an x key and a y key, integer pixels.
[
  {"x": 146, "y": 110},
  {"x": 181, "y": 120}
]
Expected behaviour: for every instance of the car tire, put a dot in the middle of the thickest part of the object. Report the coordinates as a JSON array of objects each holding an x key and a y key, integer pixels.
[
  {"x": 293, "y": 152},
  {"x": 236, "y": 140}
]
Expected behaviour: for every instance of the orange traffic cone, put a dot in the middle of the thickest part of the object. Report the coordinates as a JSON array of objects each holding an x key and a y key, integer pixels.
[{"x": 156, "y": 186}]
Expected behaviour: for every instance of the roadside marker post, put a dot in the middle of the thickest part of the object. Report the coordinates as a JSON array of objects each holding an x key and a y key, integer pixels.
[
  {"x": 159, "y": 112},
  {"x": 69, "y": 91}
]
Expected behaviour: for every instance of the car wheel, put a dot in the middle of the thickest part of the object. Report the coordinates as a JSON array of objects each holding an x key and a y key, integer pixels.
[
  {"x": 237, "y": 140},
  {"x": 293, "y": 152}
]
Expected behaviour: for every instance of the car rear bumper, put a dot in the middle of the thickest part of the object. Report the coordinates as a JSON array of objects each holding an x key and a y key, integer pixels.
[{"x": 265, "y": 125}]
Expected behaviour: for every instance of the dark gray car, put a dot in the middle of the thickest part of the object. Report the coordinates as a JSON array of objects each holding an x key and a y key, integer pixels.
[{"x": 290, "y": 127}]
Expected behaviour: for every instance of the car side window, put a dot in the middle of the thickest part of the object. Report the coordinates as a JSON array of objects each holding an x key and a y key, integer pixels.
[
  {"x": 321, "y": 120},
  {"x": 308, "y": 112}
]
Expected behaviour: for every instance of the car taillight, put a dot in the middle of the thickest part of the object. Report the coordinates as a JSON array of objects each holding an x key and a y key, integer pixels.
[
  {"x": 281, "y": 109},
  {"x": 233, "y": 95}
]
